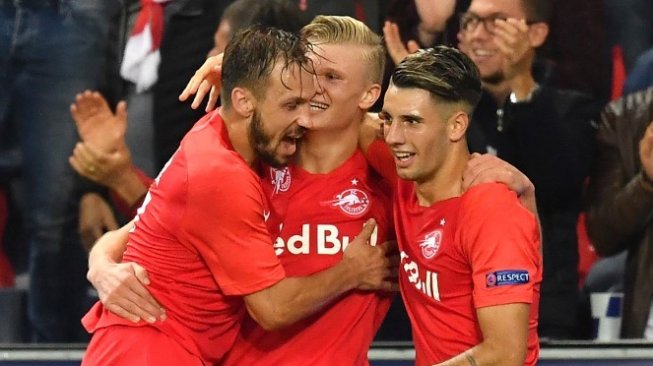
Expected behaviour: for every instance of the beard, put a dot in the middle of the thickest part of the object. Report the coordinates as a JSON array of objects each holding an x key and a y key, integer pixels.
[
  {"x": 262, "y": 143},
  {"x": 494, "y": 79}
]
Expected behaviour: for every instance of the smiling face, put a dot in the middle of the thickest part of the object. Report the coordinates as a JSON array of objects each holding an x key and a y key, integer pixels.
[
  {"x": 280, "y": 117},
  {"x": 416, "y": 130},
  {"x": 343, "y": 81},
  {"x": 480, "y": 46}
]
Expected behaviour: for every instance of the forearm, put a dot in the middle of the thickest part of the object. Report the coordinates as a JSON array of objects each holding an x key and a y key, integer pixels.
[
  {"x": 620, "y": 214},
  {"x": 295, "y": 298},
  {"x": 129, "y": 187},
  {"x": 488, "y": 355}
]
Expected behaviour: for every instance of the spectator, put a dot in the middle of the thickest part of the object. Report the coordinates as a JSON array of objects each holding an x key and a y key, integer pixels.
[
  {"x": 544, "y": 132},
  {"x": 49, "y": 51},
  {"x": 621, "y": 203}
]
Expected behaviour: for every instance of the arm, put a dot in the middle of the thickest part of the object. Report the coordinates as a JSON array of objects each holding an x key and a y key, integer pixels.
[
  {"x": 505, "y": 338},
  {"x": 113, "y": 170},
  {"x": 95, "y": 217},
  {"x": 377, "y": 153},
  {"x": 363, "y": 267},
  {"x": 121, "y": 286},
  {"x": 489, "y": 168},
  {"x": 620, "y": 195}
]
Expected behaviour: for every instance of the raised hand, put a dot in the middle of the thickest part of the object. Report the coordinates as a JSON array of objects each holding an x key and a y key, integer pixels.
[
  {"x": 96, "y": 123},
  {"x": 396, "y": 49},
  {"x": 646, "y": 151}
]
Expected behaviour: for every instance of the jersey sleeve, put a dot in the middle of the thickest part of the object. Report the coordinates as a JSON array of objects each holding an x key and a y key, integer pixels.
[
  {"x": 501, "y": 242},
  {"x": 224, "y": 220},
  {"x": 380, "y": 158}
]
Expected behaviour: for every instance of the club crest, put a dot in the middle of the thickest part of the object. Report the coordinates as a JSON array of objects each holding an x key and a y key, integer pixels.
[
  {"x": 431, "y": 244},
  {"x": 280, "y": 179},
  {"x": 352, "y": 202}
]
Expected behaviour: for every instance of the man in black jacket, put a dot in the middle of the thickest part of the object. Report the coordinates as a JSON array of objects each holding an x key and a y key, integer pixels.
[{"x": 544, "y": 132}]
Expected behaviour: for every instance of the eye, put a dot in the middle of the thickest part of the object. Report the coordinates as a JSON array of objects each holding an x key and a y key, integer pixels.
[
  {"x": 410, "y": 121},
  {"x": 331, "y": 76},
  {"x": 290, "y": 106}
]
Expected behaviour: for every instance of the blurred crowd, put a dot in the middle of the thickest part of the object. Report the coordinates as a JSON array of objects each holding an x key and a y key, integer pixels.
[{"x": 89, "y": 111}]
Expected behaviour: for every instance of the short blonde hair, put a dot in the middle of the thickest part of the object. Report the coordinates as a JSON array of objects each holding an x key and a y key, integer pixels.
[{"x": 344, "y": 29}]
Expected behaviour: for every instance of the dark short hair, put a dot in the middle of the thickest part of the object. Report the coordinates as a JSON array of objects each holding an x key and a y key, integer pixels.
[
  {"x": 445, "y": 72},
  {"x": 253, "y": 53},
  {"x": 282, "y": 14},
  {"x": 538, "y": 10}
]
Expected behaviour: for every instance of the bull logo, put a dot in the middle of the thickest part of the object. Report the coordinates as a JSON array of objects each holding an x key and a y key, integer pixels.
[
  {"x": 352, "y": 202},
  {"x": 431, "y": 244}
]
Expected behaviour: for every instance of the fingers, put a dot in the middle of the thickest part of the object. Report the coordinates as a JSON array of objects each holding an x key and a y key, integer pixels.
[
  {"x": 511, "y": 37},
  {"x": 206, "y": 71},
  {"x": 123, "y": 313},
  {"x": 121, "y": 111},
  {"x": 366, "y": 232},
  {"x": 203, "y": 88},
  {"x": 213, "y": 99},
  {"x": 125, "y": 292},
  {"x": 413, "y": 46},
  {"x": 393, "y": 43}
]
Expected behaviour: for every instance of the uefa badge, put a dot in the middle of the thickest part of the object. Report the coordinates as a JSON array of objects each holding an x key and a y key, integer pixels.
[
  {"x": 431, "y": 244},
  {"x": 280, "y": 179}
]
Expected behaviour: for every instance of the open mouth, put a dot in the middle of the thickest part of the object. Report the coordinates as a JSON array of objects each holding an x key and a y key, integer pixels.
[
  {"x": 318, "y": 106},
  {"x": 403, "y": 158}
]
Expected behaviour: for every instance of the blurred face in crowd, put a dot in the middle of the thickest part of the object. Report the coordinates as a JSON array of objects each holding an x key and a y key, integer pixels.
[
  {"x": 220, "y": 38},
  {"x": 434, "y": 13},
  {"x": 477, "y": 38}
]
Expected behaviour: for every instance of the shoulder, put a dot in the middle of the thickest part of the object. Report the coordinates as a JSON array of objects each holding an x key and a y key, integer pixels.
[
  {"x": 636, "y": 108},
  {"x": 492, "y": 202}
]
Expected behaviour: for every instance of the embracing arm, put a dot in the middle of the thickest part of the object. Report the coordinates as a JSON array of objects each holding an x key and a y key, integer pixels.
[
  {"x": 363, "y": 267},
  {"x": 121, "y": 286},
  {"x": 505, "y": 338}
]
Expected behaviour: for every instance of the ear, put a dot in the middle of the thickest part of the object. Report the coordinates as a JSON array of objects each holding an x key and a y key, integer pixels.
[
  {"x": 369, "y": 97},
  {"x": 242, "y": 101},
  {"x": 537, "y": 34},
  {"x": 457, "y": 125}
]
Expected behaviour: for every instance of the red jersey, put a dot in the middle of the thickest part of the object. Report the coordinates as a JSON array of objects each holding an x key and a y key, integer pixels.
[
  {"x": 321, "y": 214},
  {"x": 458, "y": 255},
  {"x": 202, "y": 237}
]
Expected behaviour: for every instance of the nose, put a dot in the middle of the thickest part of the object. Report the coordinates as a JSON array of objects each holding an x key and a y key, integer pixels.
[
  {"x": 393, "y": 134},
  {"x": 304, "y": 118}
]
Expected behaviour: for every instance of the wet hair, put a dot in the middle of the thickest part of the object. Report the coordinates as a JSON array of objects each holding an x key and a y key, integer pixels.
[
  {"x": 445, "y": 72},
  {"x": 253, "y": 53},
  {"x": 281, "y": 14},
  {"x": 347, "y": 30}
]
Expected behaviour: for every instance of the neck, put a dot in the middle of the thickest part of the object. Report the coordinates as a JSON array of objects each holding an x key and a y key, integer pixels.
[
  {"x": 238, "y": 134},
  {"x": 499, "y": 91},
  {"x": 447, "y": 182},
  {"x": 323, "y": 151}
]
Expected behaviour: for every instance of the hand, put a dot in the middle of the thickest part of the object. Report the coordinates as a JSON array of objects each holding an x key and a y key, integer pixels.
[
  {"x": 489, "y": 168},
  {"x": 512, "y": 38},
  {"x": 96, "y": 123},
  {"x": 108, "y": 169},
  {"x": 396, "y": 49},
  {"x": 375, "y": 266},
  {"x": 95, "y": 218},
  {"x": 207, "y": 78},
  {"x": 121, "y": 288},
  {"x": 646, "y": 151}
]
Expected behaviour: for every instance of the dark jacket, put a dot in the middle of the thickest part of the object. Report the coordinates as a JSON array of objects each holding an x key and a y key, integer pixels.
[
  {"x": 621, "y": 203},
  {"x": 550, "y": 140}
]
